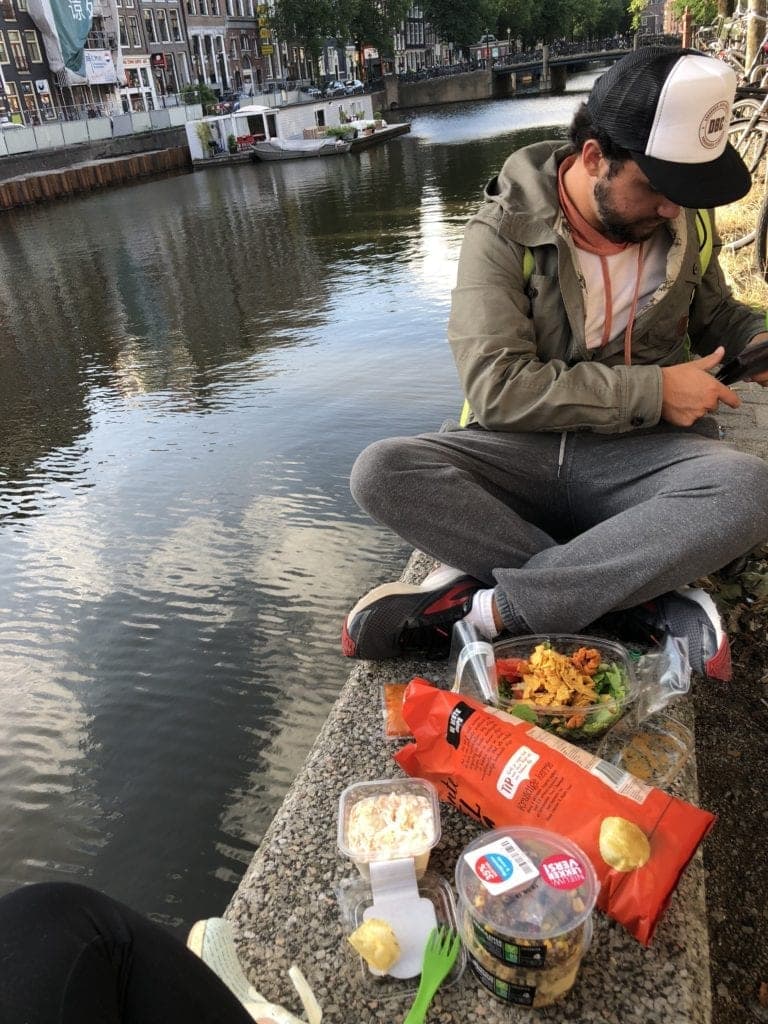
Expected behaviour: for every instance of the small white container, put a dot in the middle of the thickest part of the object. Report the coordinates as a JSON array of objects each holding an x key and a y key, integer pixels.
[{"x": 389, "y": 819}]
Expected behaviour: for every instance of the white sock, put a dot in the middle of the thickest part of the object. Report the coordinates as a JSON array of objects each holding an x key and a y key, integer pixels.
[{"x": 481, "y": 614}]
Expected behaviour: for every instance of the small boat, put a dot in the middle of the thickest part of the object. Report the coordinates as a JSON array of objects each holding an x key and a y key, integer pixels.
[{"x": 296, "y": 149}]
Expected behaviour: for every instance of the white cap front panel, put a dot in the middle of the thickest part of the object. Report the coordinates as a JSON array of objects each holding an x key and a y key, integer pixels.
[{"x": 693, "y": 112}]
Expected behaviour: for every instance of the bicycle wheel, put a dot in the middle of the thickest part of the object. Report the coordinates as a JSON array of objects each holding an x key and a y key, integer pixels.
[
  {"x": 761, "y": 238},
  {"x": 744, "y": 108},
  {"x": 737, "y": 222}
]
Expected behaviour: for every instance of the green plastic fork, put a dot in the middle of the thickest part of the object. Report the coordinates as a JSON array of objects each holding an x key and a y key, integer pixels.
[{"x": 440, "y": 954}]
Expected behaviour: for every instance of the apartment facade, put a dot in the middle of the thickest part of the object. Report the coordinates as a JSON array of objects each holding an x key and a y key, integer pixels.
[
  {"x": 167, "y": 47},
  {"x": 415, "y": 44},
  {"x": 242, "y": 42},
  {"x": 27, "y": 91}
]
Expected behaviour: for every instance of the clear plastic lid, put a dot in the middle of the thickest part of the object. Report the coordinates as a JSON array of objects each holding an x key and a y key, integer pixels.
[
  {"x": 590, "y": 656},
  {"x": 526, "y": 884},
  {"x": 654, "y": 750},
  {"x": 388, "y": 819}
]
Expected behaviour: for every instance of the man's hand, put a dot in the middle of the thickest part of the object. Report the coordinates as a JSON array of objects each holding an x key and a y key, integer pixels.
[{"x": 689, "y": 391}]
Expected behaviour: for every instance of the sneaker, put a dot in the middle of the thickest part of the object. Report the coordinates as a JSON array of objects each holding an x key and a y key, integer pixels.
[
  {"x": 213, "y": 941},
  {"x": 689, "y": 614},
  {"x": 400, "y": 619}
]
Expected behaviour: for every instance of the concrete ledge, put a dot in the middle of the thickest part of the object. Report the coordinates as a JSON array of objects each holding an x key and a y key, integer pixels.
[{"x": 285, "y": 909}]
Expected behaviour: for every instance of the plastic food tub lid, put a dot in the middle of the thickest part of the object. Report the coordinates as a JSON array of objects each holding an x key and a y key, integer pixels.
[
  {"x": 567, "y": 643},
  {"x": 382, "y": 787},
  {"x": 654, "y": 750},
  {"x": 543, "y": 881}
]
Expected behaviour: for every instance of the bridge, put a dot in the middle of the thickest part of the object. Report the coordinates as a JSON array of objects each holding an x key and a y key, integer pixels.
[
  {"x": 544, "y": 71},
  {"x": 547, "y": 73}
]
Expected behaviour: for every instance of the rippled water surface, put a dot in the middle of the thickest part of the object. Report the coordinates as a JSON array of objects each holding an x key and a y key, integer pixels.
[{"x": 188, "y": 368}]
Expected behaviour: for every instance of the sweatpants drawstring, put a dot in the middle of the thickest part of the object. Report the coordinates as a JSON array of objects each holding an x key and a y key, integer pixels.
[{"x": 561, "y": 453}]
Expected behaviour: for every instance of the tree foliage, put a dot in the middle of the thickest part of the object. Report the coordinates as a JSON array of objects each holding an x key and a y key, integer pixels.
[
  {"x": 310, "y": 22},
  {"x": 306, "y": 22},
  {"x": 461, "y": 22},
  {"x": 704, "y": 12}
]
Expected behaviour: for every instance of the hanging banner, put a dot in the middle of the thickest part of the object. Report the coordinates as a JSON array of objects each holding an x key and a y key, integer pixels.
[
  {"x": 99, "y": 67},
  {"x": 64, "y": 25}
]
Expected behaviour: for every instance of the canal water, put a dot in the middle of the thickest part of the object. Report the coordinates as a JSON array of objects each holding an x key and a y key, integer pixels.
[{"x": 188, "y": 368}]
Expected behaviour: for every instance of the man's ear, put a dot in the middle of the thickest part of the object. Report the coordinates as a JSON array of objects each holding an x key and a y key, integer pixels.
[{"x": 591, "y": 155}]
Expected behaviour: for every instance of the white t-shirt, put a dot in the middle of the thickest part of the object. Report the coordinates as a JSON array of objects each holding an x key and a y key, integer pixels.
[{"x": 622, "y": 268}]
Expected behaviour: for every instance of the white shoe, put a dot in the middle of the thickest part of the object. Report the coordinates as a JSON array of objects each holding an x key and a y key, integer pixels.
[{"x": 213, "y": 941}]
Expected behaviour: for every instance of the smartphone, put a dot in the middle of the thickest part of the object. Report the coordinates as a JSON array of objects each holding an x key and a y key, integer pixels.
[{"x": 752, "y": 360}]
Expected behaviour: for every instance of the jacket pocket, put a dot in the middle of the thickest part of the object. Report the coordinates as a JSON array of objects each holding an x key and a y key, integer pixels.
[{"x": 549, "y": 318}]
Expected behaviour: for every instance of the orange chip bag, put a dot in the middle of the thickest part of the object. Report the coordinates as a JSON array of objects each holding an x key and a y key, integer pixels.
[{"x": 503, "y": 771}]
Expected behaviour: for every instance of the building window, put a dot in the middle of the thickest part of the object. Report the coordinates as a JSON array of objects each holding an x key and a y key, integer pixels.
[
  {"x": 124, "y": 41},
  {"x": 230, "y": 9},
  {"x": 149, "y": 26},
  {"x": 162, "y": 27},
  {"x": 33, "y": 46},
  {"x": 3, "y": 50},
  {"x": 133, "y": 24},
  {"x": 7, "y": 11},
  {"x": 176, "y": 35},
  {"x": 30, "y": 104},
  {"x": 12, "y": 97},
  {"x": 215, "y": 7},
  {"x": 203, "y": 7},
  {"x": 17, "y": 49},
  {"x": 21, "y": 5},
  {"x": 191, "y": 7},
  {"x": 245, "y": 44}
]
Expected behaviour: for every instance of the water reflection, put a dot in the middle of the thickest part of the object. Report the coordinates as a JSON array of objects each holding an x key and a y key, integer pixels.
[{"x": 188, "y": 370}]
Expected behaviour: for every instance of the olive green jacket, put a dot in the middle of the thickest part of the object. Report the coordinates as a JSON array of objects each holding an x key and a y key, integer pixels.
[{"x": 519, "y": 344}]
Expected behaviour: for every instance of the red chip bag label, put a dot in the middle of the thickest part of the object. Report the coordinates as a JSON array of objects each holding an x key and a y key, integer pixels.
[
  {"x": 502, "y": 771},
  {"x": 562, "y": 872}
]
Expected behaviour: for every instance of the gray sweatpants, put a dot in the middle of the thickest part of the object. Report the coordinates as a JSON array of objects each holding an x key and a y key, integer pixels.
[{"x": 571, "y": 526}]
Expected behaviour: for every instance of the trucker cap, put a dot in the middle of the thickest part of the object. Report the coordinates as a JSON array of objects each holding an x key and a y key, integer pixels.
[{"x": 670, "y": 108}]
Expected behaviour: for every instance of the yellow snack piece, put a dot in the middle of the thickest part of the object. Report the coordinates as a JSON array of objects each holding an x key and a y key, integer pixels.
[
  {"x": 376, "y": 943},
  {"x": 623, "y": 845}
]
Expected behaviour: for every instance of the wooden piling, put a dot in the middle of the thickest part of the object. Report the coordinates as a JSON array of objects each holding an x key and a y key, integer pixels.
[{"x": 90, "y": 177}]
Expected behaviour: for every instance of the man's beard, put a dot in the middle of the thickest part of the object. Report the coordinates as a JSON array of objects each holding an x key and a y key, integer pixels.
[{"x": 614, "y": 227}]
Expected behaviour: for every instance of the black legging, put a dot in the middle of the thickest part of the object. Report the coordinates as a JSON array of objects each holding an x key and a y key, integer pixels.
[{"x": 70, "y": 955}]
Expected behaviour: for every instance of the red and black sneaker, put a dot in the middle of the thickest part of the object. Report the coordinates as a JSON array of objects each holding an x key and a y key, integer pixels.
[
  {"x": 396, "y": 620},
  {"x": 688, "y": 613}
]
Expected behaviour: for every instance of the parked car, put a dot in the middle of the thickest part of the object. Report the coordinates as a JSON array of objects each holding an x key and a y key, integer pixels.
[
  {"x": 312, "y": 90},
  {"x": 335, "y": 89},
  {"x": 353, "y": 86}
]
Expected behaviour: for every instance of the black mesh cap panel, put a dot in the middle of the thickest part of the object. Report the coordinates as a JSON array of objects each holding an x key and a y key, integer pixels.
[{"x": 623, "y": 100}]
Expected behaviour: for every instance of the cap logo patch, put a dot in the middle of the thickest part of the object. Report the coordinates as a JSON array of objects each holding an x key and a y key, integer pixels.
[{"x": 713, "y": 125}]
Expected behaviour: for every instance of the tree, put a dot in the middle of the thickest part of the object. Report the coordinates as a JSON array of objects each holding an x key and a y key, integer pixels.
[
  {"x": 703, "y": 12},
  {"x": 305, "y": 22},
  {"x": 461, "y": 21},
  {"x": 372, "y": 22},
  {"x": 199, "y": 92}
]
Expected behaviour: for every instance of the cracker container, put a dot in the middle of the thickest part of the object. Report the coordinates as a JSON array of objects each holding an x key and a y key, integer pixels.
[{"x": 526, "y": 898}]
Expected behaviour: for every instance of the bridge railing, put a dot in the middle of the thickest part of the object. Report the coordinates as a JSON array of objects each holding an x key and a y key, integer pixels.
[{"x": 568, "y": 47}]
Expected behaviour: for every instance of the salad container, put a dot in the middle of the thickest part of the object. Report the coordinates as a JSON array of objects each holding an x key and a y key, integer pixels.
[
  {"x": 526, "y": 898},
  {"x": 574, "y": 686}
]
